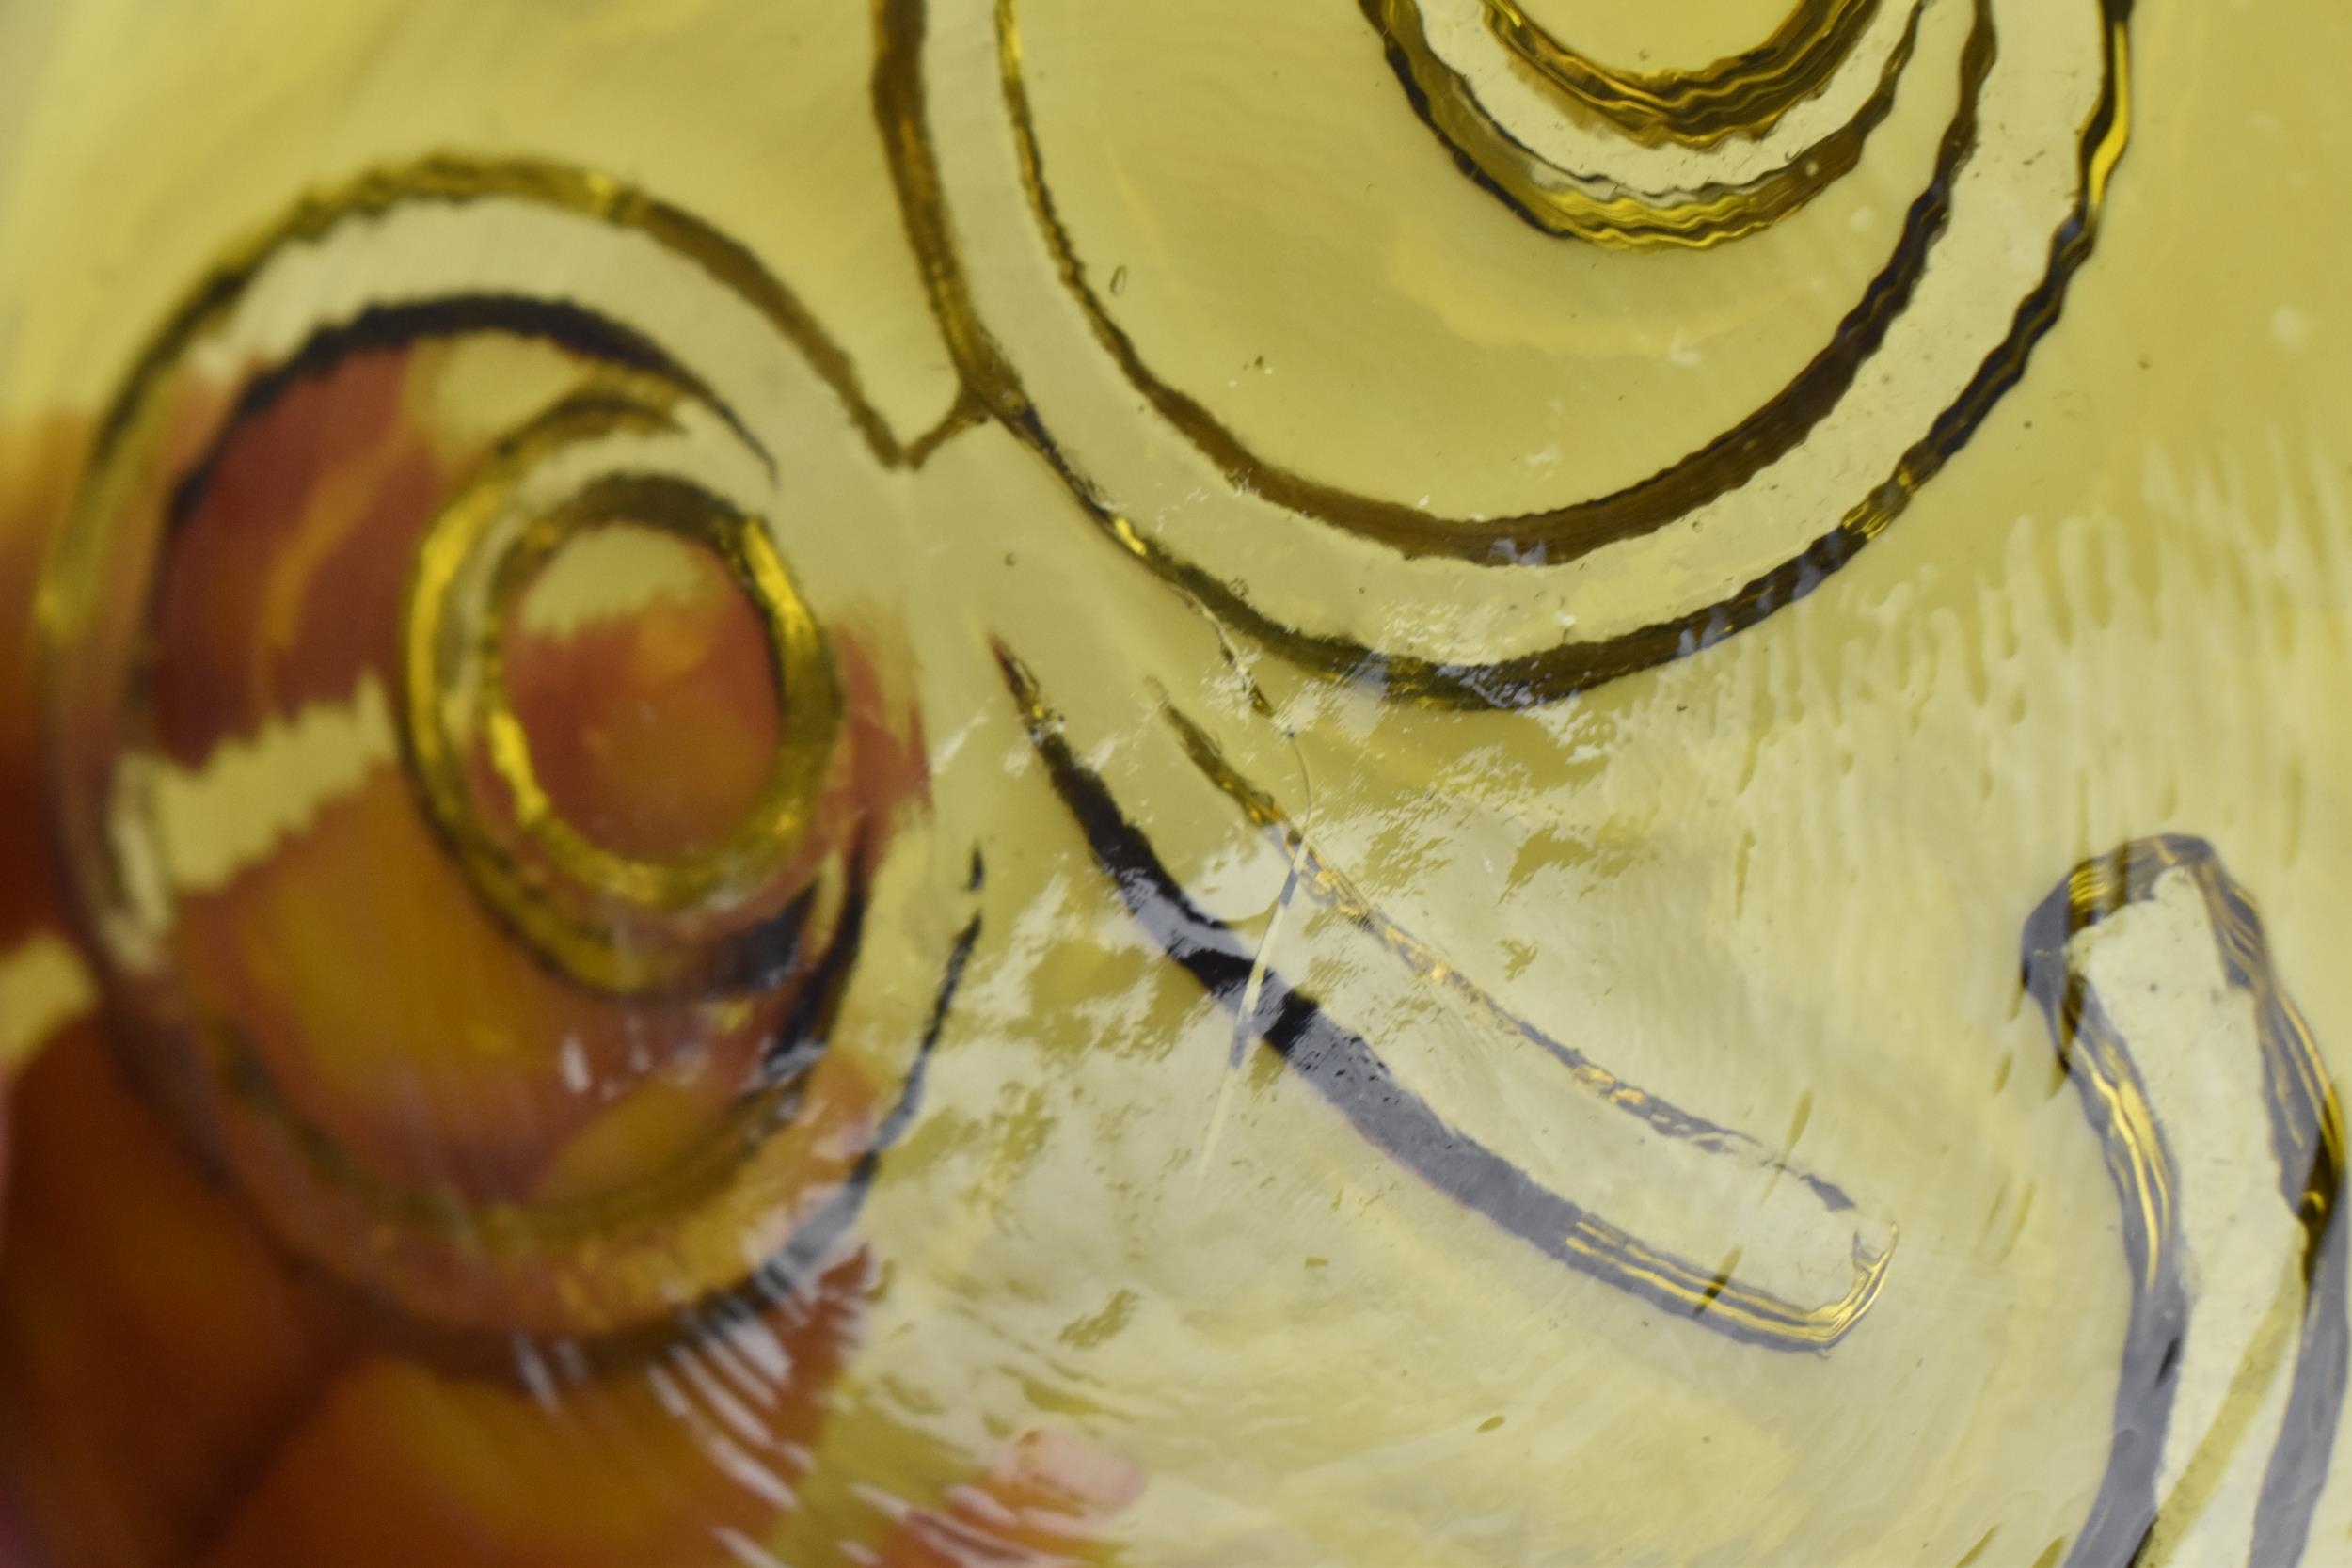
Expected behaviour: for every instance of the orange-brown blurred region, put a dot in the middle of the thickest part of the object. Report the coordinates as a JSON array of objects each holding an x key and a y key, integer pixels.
[{"x": 960, "y": 784}]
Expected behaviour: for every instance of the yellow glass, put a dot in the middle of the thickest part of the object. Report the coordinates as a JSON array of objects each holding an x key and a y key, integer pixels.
[{"x": 1423, "y": 780}]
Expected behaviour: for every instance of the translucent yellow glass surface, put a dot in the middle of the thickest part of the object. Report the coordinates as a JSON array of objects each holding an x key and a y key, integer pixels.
[{"x": 1212, "y": 782}]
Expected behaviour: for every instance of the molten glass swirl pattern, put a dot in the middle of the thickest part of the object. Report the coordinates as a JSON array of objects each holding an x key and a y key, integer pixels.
[
  {"x": 331, "y": 619},
  {"x": 1020, "y": 782},
  {"x": 2003, "y": 115}
]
